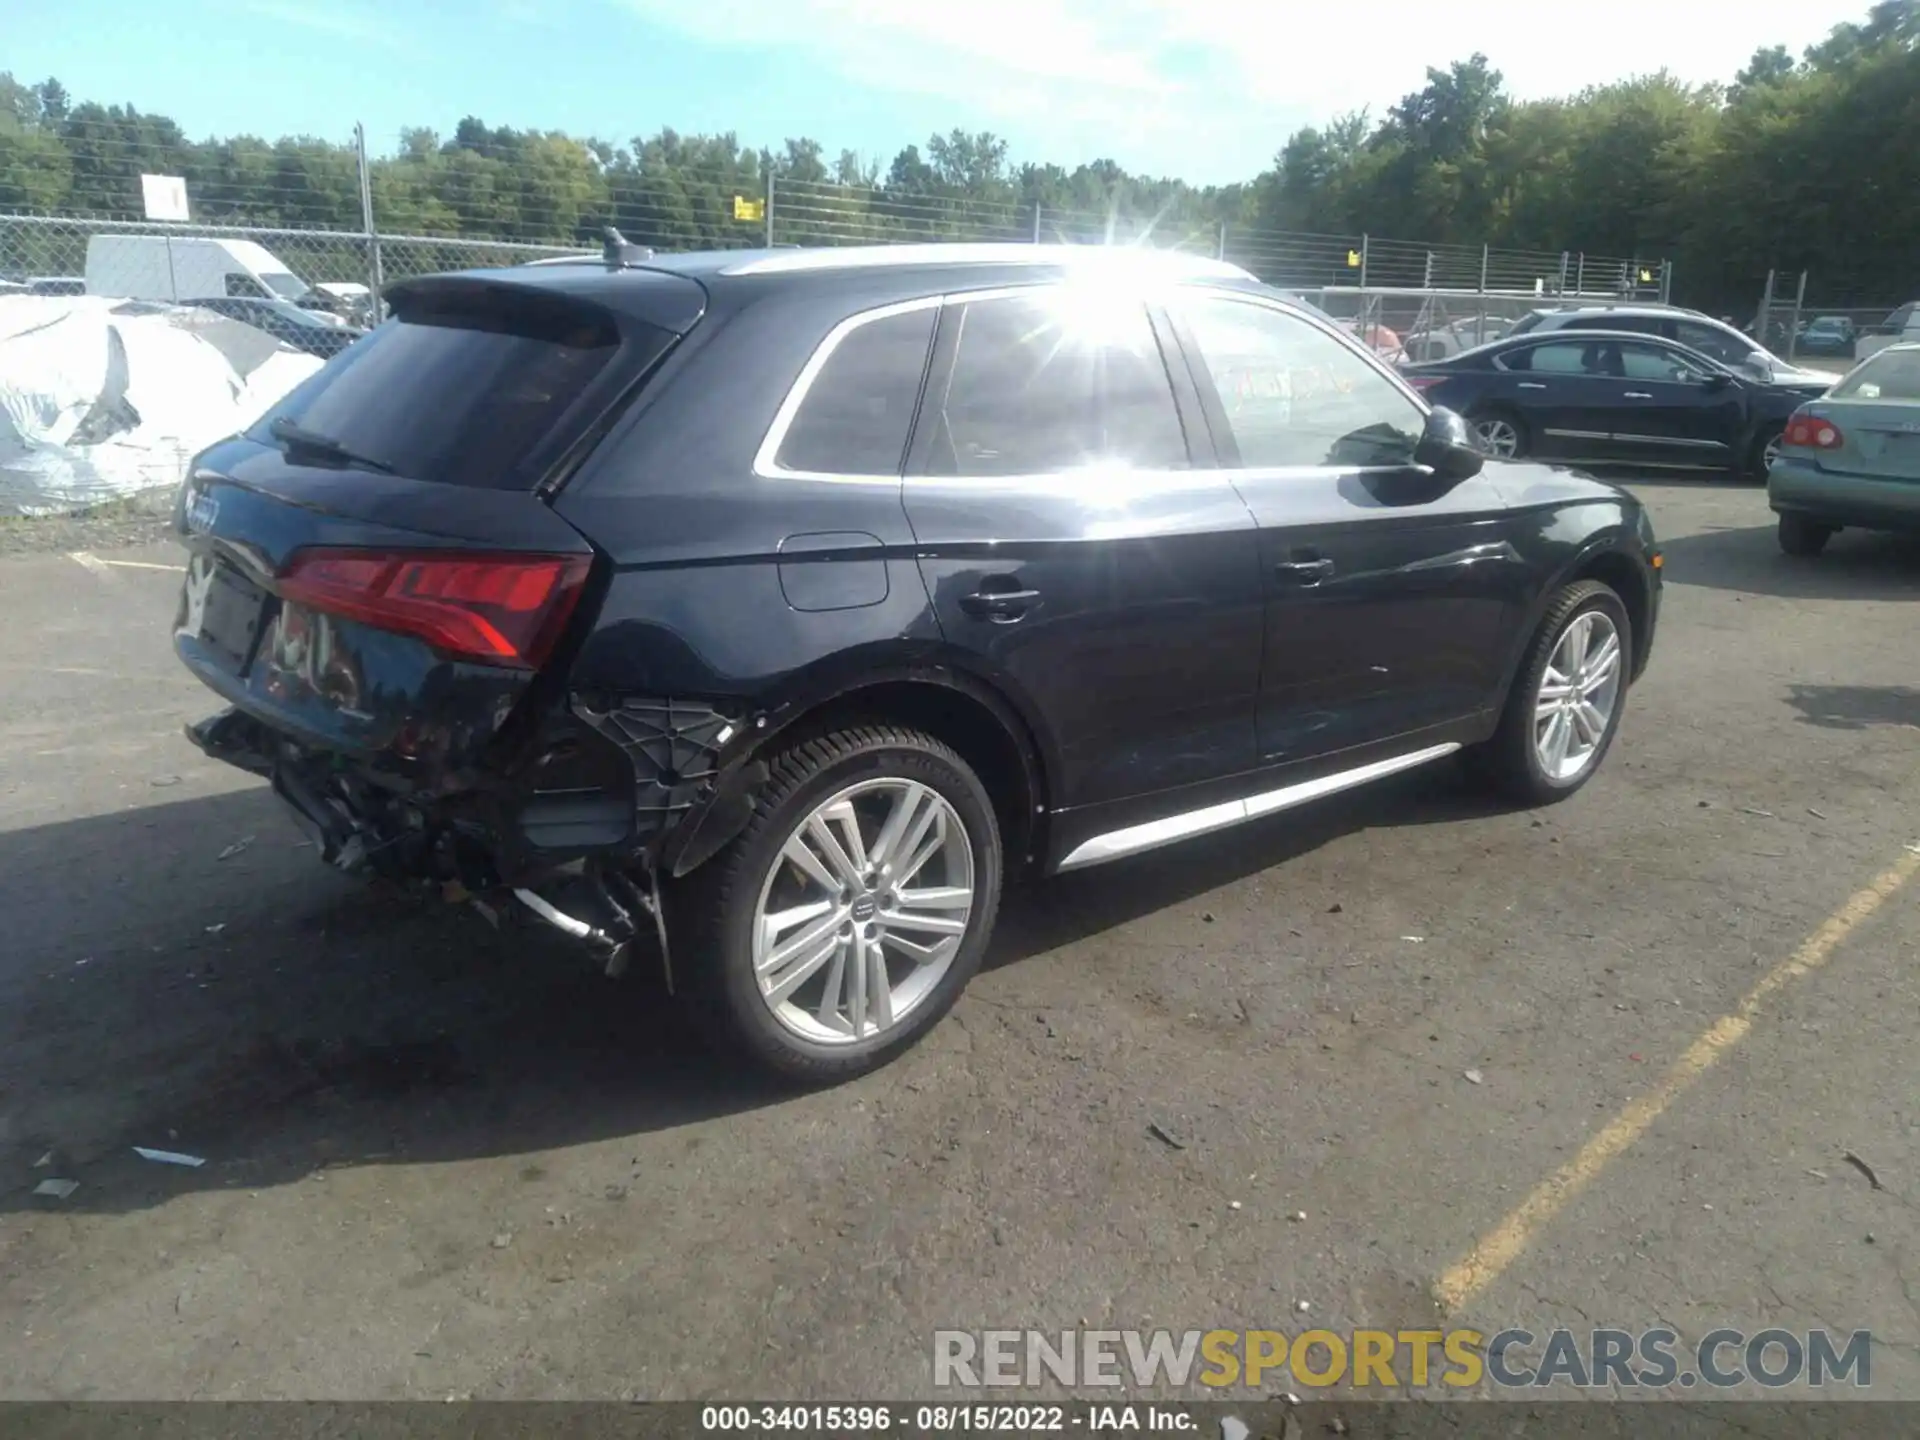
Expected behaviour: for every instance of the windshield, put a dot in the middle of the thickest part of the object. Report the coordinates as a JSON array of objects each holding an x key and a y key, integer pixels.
[
  {"x": 1890, "y": 375},
  {"x": 284, "y": 283}
]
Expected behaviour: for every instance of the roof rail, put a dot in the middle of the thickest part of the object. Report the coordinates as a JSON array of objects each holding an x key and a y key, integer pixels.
[{"x": 855, "y": 257}]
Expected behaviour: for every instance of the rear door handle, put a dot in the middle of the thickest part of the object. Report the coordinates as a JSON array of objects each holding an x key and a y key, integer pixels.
[
  {"x": 999, "y": 606},
  {"x": 1304, "y": 572},
  {"x": 1638, "y": 395}
]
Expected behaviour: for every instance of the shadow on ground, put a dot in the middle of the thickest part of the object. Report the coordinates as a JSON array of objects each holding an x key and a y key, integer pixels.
[
  {"x": 275, "y": 1018},
  {"x": 1856, "y": 565},
  {"x": 1856, "y": 707}
]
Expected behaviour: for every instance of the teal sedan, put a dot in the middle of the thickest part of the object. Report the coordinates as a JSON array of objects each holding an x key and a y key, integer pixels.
[{"x": 1852, "y": 457}]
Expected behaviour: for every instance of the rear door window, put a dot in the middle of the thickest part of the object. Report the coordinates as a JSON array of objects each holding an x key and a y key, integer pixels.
[
  {"x": 460, "y": 395},
  {"x": 1053, "y": 381},
  {"x": 856, "y": 416},
  {"x": 1562, "y": 357}
]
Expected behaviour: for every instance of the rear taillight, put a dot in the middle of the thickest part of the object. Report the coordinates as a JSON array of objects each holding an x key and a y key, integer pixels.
[
  {"x": 1811, "y": 432},
  {"x": 500, "y": 609}
]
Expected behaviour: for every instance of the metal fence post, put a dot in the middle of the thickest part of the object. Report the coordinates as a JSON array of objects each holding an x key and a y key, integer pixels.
[
  {"x": 1363, "y": 262},
  {"x": 374, "y": 281},
  {"x": 769, "y": 215},
  {"x": 1580, "y": 275},
  {"x": 1793, "y": 329},
  {"x": 1220, "y": 245},
  {"x": 1764, "y": 320},
  {"x": 1563, "y": 272},
  {"x": 1485, "y": 254},
  {"x": 1666, "y": 282}
]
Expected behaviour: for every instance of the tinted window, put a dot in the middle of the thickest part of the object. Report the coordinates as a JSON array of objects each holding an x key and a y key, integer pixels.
[
  {"x": 1566, "y": 357},
  {"x": 1057, "y": 380},
  {"x": 1645, "y": 362},
  {"x": 1294, "y": 395},
  {"x": 1607, "y": 320},
  {"x": 857, "y": 414},
  {"x": 1716, "y": 344},
  {"x": 442, "y": 398}
]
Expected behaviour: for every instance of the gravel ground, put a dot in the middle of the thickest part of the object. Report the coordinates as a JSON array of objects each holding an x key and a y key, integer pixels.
[{"x": 444, "y": 1161}]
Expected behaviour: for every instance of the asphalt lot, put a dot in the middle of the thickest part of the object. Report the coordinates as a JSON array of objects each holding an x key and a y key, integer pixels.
[{"x": 442, "y": 1161}]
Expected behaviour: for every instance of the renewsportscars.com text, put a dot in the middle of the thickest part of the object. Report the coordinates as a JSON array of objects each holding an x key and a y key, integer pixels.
[{"x": 1391, "y": 1359}]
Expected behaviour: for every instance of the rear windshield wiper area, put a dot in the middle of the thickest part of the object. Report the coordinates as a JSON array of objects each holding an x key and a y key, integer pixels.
[{"x": 295, "y": 436}]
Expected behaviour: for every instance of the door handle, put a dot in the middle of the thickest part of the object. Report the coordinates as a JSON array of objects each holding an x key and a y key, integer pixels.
[
  {"x": 1638, "y": 395},
  {"x": 1531, "y": 385},
  {"x": 1304, "y": 572},
  {"x": 999, "y": 606}
]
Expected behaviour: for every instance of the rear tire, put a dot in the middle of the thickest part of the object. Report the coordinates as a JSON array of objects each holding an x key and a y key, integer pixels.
[
  {"x": 1760, "y": 458},
  {"x": 1501, "y": 433},
  {"x": 1803, "y": 537},
  {"x": 821, "y": 792},
  {"x": 1569, "y": 687}
]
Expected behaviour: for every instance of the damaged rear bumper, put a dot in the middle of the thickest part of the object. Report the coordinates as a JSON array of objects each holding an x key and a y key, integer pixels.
[{"x": 580, "y": 825}]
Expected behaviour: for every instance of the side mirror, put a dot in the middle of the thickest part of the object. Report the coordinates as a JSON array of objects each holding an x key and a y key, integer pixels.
[{"x": 1447, "y": 448}]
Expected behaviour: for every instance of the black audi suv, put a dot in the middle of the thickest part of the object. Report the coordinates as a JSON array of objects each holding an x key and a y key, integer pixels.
[{"x": 769, "y": 611}]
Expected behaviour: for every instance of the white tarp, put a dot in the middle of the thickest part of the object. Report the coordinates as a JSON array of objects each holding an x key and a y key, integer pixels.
[{"x": 101, "y": 399}]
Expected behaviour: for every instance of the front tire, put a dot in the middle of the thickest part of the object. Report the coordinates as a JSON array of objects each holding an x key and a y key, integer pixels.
[
  {"x": 845, "y": 920},
  {"x": 1803, "y": 537},
  {"x": 1567, "y": 700}
]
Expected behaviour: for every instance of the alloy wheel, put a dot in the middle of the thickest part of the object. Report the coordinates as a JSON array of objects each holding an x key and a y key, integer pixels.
[
  {"x": 1498, "y": 437},
  {"x": 1579, "y": 691},
  {"x": 863, "y": 911}
]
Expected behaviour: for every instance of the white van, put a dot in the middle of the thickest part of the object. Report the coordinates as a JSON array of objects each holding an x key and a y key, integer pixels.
[
  {"x": 1902, "y": 327},
  {"x": 187, "y": 267}
]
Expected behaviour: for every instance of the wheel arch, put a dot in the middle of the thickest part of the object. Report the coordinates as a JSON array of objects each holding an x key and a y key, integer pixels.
[
  {"x": 1610, "y": 558},
  {"x": 984, "y": 725}
]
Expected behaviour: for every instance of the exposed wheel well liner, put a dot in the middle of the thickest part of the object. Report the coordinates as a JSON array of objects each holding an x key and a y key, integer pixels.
[{"x": 1619, "y": 573}]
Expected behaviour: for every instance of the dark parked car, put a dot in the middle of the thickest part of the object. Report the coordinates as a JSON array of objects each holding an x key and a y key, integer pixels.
[
  {"x": 315, "y": 332},
  {"x": 775, "y": 608},
  {"x": 1715, "y": 339},
  {"x": 1604, "y": 397}
]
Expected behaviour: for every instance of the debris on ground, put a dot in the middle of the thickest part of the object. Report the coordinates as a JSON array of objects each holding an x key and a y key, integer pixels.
[
  {"x": 44, "y": 1161},
  {"x": 216, "y": 929},
  {"x": 169, "y": 1157},
  {"x": 1337, "y": 907},
  {"x": 160, "y": 782},
  {"x": 1233, "y": 1205},
  {"x": 1415, "y": 939},
  {"x": 1302, "y": 1306},
  {"x": 1207, "y": 916},
  {"x": 1473, "y": 1077},
  {"x": 1817, "y": 1174},
  {"x": 239, "y": 847},
  {"x": 1864, "y": 1168},
  {"x": 1164, "y": 1136},
  {"x": 1763, "y": 814},
  {"x": 57, "y": 1189},
  {"x": 1818, "y": 815},
  {"x": 502, "y": 1240},
  {"x": 1297, "y": 1216}
]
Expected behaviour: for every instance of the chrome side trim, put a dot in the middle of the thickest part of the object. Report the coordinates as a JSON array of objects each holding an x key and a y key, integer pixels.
[
  {"x": 1579, "y": 434},
  {"x": 1155, "y": 833}
]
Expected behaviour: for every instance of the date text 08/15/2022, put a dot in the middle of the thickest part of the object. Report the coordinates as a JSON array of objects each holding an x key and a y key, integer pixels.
[{"x": 945, "y": 1419}]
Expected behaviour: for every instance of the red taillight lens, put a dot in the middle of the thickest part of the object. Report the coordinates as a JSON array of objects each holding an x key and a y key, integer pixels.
[
  {"x": 501, "y": 609},
  {"x": 1811, "y": 432}
]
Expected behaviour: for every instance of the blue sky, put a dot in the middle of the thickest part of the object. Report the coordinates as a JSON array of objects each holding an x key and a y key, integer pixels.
[{"x": 1205, "y": 91}]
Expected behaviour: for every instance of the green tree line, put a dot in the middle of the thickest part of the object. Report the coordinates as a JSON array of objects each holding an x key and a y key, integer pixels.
[{"x": 1798, "y": 163}]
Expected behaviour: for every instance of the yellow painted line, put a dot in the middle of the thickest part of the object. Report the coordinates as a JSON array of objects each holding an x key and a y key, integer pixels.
[
  {"x": 88, "y": 561},
  {"x": 144, "y": 565},
  {"x": 1500, "y": 1246}
]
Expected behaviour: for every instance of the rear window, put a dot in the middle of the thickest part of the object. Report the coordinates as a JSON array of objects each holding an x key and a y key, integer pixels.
[
  {"x": 1890, "y": 375},
  {"x": 856, "y": 416},
  {"x": 463, "y": 397}
]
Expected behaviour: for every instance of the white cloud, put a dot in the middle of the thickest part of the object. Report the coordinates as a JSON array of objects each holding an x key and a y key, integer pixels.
[{"x": 1211, "y": 90}]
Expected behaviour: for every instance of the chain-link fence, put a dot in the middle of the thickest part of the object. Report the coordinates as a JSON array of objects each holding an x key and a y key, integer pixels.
[
  {"x": 323, "y": 225},
  {"x": 1804, "y": 326}
]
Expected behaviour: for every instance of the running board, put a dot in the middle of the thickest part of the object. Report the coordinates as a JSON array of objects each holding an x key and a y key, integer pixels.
[{"x": 1155, "y": 833}]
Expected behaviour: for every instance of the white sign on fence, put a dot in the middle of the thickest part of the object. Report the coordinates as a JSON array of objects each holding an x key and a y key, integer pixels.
[{"x": 165, "y": 196}]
